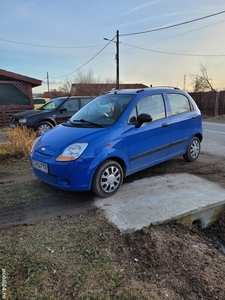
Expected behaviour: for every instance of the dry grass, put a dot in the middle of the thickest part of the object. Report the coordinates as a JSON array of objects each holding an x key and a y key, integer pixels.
[{"x": 20, "y": 140}]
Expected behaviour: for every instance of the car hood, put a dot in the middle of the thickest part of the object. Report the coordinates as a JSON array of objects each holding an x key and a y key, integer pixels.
[
  {"x": 61, "y": 136},
  {"x": 29, "y": 113}
]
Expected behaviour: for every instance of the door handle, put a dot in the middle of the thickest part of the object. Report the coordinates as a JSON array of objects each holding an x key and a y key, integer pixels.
[{"x": 165, "y": 124}]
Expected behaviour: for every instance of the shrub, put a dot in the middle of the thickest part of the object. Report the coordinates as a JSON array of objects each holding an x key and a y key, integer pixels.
[{"x": 20, "y": 141}]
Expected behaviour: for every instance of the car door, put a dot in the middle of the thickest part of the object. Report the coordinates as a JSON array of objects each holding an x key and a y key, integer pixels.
[
  {"x": 183, "y": 122},
  {"x": 67, "y": 109},
  {"x": 149, "y": 143}
]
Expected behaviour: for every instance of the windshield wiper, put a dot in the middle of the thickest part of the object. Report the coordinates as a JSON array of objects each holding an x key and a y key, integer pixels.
[{"x": 92, "y": 123}]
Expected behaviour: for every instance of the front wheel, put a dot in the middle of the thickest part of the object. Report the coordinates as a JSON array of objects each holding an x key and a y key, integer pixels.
[
  {"x": 107, "y": 179},
  {"x": 44, "y": 127},
  {"x": 193, "y": 150}
]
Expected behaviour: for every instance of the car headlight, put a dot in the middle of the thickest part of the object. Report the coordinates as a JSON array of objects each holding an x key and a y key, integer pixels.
[
  {"x": 72, "y": 152},
  {"x": 24, "y": 120}
]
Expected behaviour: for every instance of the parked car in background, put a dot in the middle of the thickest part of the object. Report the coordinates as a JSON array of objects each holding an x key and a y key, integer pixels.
[
  {"x": 115, "y": 135},
  {"x": 52, "y": 113},
  {"x": 38, "y": 102}
]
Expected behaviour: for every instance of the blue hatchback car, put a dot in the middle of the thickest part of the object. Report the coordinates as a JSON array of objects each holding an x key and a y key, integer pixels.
[{"x": 117, "y": 134}]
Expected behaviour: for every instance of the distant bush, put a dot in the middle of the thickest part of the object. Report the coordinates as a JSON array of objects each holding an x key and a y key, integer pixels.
[{"x": 20, "y": 141}]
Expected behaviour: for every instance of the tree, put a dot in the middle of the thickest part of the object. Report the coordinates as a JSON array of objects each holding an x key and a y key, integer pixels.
[
  {"x": 202, "y": 82},
  {"x": 88, "y": 84},
  {"x": 66, "y": 88}
]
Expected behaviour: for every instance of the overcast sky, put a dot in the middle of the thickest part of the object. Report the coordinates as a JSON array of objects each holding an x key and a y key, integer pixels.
[{"x": 64, "y": 37}]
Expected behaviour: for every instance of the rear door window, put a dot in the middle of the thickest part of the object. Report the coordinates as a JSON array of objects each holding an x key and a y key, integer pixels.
[
  {"x": 71, "y": 105},
  {"x": 179, "y": 103}
]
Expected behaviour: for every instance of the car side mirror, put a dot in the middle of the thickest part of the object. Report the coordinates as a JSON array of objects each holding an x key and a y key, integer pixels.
[
  {"x": 143, "y": 118},
  {"x": 63, "y": 109}
]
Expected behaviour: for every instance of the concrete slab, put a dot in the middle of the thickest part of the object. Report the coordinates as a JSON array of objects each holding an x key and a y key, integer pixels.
[{"x": 160, "y": 199}]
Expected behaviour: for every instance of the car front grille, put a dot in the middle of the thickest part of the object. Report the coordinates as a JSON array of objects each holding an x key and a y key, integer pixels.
[{"x": 50, "y": 179}]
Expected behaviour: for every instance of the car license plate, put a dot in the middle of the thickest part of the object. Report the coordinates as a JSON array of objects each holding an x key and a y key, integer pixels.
[{"x": 39, "y": 166}]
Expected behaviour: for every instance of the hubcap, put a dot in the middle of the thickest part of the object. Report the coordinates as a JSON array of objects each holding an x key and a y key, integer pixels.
[
  {"x": 110, "y": 179},
  {"x": 43, "y": 128},
  {"x": 195, "y": 149}
]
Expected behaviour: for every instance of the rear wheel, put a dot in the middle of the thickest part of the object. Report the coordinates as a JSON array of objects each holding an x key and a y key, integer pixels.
[
  {"x": 43, "y": 127},
  {"x": 193, "y": 150},
  {"x": 107, "y": 179}
]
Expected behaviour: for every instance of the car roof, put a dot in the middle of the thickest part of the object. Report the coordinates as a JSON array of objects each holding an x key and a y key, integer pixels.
[{"x": 143, "y": 90}]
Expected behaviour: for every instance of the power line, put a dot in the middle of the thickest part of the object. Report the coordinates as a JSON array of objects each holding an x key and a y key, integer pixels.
[
  {"x": 128, "y": 34},
  {"x": 46, "y": 46},
  {"x": 87, "y": 61},
  {"x": 172, "y": 53},
  {"x": 175, "y": 25}
]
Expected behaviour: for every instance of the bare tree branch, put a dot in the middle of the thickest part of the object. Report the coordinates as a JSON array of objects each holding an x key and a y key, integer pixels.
[{"x": 202, "y": 82}]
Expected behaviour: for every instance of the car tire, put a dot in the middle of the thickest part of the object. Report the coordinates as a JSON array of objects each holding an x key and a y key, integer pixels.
[
  {"x": 193, "y": 150},
  {"x": 107, "y": 179},
  {"x": 44, "y": 127}
]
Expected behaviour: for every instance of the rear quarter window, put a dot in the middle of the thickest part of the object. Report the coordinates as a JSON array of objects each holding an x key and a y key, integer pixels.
[
  {"x": 84, "y": 101},
  {"x": 179, "y": 103}
]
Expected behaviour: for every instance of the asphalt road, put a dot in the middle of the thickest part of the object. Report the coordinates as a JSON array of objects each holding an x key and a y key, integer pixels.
[{"x": 213, "y": 139}]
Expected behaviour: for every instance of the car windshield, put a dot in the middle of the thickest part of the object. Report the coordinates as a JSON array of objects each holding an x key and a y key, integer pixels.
[
  {"x": 52, "y": 104},
  {"x": 103, "y": 111}
]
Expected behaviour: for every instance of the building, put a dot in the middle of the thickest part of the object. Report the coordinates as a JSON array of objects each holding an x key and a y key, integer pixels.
[
  {"x": 96, "y": 89},
  {"x": 15, "y": 94}
]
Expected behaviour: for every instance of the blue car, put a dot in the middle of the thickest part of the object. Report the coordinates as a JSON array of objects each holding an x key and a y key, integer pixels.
[{"x": 117, "y": 134}]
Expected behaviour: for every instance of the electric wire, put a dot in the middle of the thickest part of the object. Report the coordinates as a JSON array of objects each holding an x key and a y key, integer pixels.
[
  {"x": 173, "y": 53},
  {"x": 152, "y": 30},
  {"x": 175, "y": 25},
  {"x": 47, "y": 46},
  {"x": 127, "y": 34},
  {"x": 87, "y": 61}
]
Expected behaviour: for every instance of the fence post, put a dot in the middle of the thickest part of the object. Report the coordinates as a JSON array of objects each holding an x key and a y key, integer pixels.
[
  {"x": 4, "y": 116},
  {"x": 217, "y": 104}
]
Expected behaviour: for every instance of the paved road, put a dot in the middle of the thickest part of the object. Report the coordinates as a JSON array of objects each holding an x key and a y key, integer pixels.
[{"x": 213, "y": 138}]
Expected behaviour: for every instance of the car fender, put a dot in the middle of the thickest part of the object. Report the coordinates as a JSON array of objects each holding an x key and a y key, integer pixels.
[
  {"x": 49, "y": 120},
  {"x": 112, "y": 153}
]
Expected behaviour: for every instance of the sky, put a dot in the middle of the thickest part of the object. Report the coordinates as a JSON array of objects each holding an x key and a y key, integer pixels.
[{"x": 65, "y": 38}]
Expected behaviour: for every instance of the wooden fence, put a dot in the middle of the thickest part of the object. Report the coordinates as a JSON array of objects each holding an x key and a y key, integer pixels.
[
  {"x": 210, "y": 103},
  {"x": 6, "y": 113}
]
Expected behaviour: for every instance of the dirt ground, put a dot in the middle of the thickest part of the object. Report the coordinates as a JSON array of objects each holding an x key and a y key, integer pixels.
[
  {"x": 170, "y": 261},
  {"x": 175, "y": 261}
]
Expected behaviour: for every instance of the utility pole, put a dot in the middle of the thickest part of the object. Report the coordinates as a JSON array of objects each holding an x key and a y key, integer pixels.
[
  {"x": 48, "y": 82},
  {"x": 117, "y": 58},
  {"x": 117, "y": 61},
  {"x": 184, "y": 82}
]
